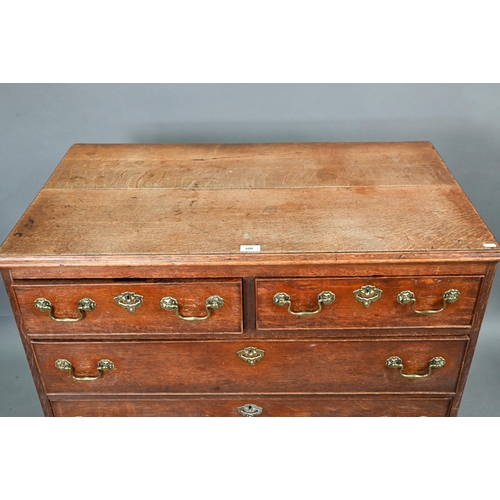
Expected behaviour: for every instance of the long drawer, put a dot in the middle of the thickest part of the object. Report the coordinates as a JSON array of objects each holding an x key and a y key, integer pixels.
[
  {"x": 263, "y": 406},
  {"x": 267, "y": 367},
  {"x": 189, "y": 306},
  {"x": 339, "y": 303}
]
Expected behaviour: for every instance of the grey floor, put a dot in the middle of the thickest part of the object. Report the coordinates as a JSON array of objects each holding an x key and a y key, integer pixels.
[{"x": 18, "y": 396}]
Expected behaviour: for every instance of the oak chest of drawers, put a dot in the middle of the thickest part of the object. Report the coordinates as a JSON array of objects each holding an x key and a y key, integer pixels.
[{"x": 309, "y": 279}]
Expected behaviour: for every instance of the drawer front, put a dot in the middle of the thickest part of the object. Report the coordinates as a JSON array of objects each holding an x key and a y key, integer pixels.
[
  {"x": 291, "y": 406},
  {"x": 274, "y": 367},
  {"x": 375, "y": 307},
  {"x": 133, "y": 307}
]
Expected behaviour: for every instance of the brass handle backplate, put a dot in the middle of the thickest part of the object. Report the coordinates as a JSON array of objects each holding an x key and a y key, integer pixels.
[
  {"x": 250, "y": 410},
  {"x": 171, "y": 304},
  {"x": 85, "y": 305},
  {"x": 104, "y": 365},
  {"x": 408, "y": 297},
  {"x": 251, "y": 355},
  {"x": 397, "y": 362},
  {"x": 283, "y": 299}
]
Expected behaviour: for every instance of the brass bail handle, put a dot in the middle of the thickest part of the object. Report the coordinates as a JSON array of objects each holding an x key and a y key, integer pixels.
[
  {"x": 85, "y": 305},
  {"x": 397, "y": 362},
  {"x": 283, "y": 299},
  {"x": 408, "y": 297},
  {"x": 171, "y": 304},
  {"x": 103, "y": 365}
]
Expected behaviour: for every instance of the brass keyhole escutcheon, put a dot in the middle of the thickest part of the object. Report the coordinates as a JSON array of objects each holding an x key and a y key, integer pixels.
[
  {"x": 251, "y": 355},
  {"x": 367, "y": 294},
  {"x": 250, "y": 410},
  {"x": 129, "y": 300}
]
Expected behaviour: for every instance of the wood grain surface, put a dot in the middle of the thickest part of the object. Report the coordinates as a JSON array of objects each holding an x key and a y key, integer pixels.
[
  {"x": 258, "y": 265},
  {"x": 333, "y": 366},
  {"x": 290, "y": 406},
  {"x": 329, "y": 220},
  {"x": 287, "y": 198},
  {"x": 347, "y": 312},
  {"x": 27, "y": 345},
  {"x": 249, "y": 166},
  {"x": 484, "y": 293},
  {"x": 108, "y": 317}
]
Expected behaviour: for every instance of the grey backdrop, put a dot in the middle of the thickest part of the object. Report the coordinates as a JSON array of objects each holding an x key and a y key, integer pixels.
[{"x": 38, "y": 123}]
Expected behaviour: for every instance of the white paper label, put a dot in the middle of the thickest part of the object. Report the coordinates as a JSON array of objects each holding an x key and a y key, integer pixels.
[
  {"x": 249, "y": 248},
  {"x": 489, "y": 245}
]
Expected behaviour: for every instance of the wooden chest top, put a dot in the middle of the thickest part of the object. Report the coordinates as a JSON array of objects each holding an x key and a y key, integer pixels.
[{"x": 338, "y": 199}]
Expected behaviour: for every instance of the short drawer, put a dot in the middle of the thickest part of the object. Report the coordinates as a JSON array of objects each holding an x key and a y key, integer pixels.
[
  {"x": 256, "y": 406},
  {"x": 190, "y": 306},
  {"x": 267, "y": 367},
  {"x": 339, "y": 303}
]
